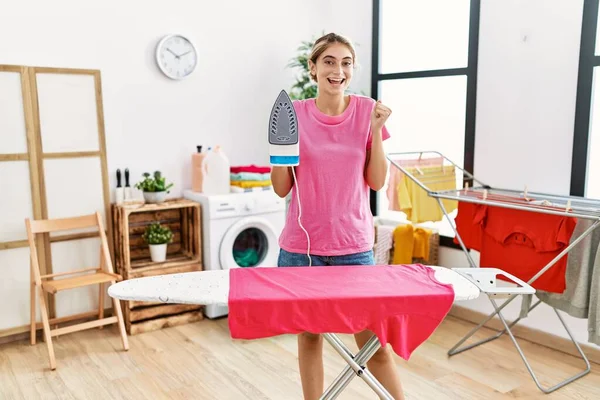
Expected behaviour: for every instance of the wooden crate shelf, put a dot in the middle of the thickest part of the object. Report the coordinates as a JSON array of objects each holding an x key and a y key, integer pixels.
[
  {"x": 132, "y": 258},
  {"x": 166, "y": 322},
  {"x": 173, "y": 258},
  {"x": 173, "y": 269},
  {"x": 130, "y": 222}
]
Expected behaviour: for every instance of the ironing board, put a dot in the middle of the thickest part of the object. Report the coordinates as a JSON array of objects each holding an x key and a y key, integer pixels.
[{"x": 212, "y": 287}]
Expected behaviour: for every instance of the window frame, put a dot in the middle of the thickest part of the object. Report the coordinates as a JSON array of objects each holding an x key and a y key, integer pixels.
[
  {"x": 470, "y": 71},
  {"x": 588, "y": 60}
]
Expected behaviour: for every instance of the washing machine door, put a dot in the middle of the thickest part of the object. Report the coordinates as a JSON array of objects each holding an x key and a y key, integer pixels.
[{"x": 250, "y": 242}]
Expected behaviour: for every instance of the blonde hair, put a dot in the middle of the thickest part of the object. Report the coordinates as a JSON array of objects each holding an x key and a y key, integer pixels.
[{"x": 322, "y": 43}]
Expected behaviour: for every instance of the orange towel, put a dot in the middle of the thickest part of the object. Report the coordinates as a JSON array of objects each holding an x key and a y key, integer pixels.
[
  {"x": 403, "y": 244},
  {"x": 421, "y": 243},
  {"x": 410, "y": 242}
]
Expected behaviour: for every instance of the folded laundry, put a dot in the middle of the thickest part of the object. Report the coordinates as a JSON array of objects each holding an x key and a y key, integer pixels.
[
  {"x": 250, "y": 168},
  {"x": 251, "y": 184},
  {"x": 238, "y": 189},
  {"x": 250, "y": 176}
]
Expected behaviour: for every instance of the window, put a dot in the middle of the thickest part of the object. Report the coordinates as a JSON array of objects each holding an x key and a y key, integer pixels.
[
  {"x": 585, "y": 171},
  {"x": 425, "y": 69}
]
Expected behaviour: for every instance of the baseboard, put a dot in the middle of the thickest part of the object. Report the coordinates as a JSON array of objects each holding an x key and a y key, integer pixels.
[{"x": 530, "y": 334}]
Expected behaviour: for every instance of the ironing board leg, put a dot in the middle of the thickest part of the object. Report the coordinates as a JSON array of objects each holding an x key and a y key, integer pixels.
[{"x": 356, "y": 366}]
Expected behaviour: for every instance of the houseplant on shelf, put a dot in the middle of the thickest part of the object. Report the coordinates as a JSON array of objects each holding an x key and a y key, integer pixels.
[
  {"x": 154, "y": 187},
  {"x": 157, "y": 237}
]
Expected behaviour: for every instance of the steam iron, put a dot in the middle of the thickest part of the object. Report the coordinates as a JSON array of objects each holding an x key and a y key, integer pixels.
[{"x": 284, "y": 144}]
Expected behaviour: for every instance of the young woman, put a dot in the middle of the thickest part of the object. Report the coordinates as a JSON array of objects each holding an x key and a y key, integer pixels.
[{"x": 341, "y": 157}]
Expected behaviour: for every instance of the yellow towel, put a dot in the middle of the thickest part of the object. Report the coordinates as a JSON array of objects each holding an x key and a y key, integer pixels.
[
  {"x": 251, "y": 184},
  {"x": 409, "y": 243},
  {"x": 421, "y": 246},
  {"x": 403, "y": 244}
]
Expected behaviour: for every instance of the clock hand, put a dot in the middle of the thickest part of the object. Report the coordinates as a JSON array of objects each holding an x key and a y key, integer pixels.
[
  {"x": 170, "y": 51},
  {"x": 181, "y": 55}
]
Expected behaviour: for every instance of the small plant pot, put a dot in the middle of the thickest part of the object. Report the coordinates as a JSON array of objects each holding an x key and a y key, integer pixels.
[
  {"x": 158, "y": 252},
  {"x": 155, "y": 197}
]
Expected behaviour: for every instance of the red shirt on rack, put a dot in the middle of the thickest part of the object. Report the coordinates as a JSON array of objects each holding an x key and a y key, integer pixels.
[
  {"x": 469, "y": 231},
  {"x": 520, "y": 242}
]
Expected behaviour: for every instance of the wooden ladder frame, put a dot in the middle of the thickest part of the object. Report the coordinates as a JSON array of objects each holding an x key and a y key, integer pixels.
[{"x": 35, "y": 157}]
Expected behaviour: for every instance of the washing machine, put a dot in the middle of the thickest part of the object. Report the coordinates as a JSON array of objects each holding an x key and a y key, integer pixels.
[{"x": 239, "y": 230}]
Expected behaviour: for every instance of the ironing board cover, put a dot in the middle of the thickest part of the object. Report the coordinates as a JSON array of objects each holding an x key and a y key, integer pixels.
[{"x": 401, "y": 304}]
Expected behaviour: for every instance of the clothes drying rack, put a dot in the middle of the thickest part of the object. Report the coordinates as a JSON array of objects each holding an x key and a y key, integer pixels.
[{"x": 475, "y": 191}]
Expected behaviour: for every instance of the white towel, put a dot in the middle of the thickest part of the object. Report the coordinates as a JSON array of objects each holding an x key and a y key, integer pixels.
[{"x": 237, "y": 189}]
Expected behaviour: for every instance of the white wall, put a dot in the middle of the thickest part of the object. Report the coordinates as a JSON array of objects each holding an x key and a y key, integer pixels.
[
  {"x": 153, "y": 122},
  {"x": 526, "y": 91}
]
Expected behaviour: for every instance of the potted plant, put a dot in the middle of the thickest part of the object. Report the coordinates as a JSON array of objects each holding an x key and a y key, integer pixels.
[
  {"x": 154, "y": 187},
  {"x": 157, "y": 237},
  {"x": 304, "y": 87}
]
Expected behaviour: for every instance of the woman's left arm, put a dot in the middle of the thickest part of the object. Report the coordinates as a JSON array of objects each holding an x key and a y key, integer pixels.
[{"x": 376, "y": 164}]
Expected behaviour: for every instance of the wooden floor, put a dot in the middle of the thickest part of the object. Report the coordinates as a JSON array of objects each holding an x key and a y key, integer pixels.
[{"x": 199, "y": 361}]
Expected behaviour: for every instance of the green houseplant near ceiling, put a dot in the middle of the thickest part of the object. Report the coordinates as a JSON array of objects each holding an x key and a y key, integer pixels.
[
  {"x": 158, "y": 237},
  {"x": 154, "y": 187},
  {"x": 304, "y": 87}
]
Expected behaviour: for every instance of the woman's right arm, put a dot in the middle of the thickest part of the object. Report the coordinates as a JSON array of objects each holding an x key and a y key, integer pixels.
[{"x": 282, "y": 180}]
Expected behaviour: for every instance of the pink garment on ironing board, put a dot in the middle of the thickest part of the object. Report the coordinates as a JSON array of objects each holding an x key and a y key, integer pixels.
[
  {"x": 402, "y": 304},
  {"x": 396, "y": 174}
]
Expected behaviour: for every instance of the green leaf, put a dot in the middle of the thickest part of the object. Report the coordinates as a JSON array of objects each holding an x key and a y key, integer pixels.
[
  {"x": 157, "y": 234},
  {"x": 153, "y": 183}
]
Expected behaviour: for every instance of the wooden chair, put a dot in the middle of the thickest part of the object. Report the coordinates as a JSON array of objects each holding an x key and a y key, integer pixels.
[{"x": 53, "y": 283}]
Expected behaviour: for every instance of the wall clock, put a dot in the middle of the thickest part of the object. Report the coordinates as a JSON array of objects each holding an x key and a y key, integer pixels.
[{"x": 176, "y": 56}]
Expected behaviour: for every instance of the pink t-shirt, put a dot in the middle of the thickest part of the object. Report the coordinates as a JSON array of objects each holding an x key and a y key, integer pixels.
[
  {"x": 401, "y": 304},
  {"x": 334, "y": 195}
]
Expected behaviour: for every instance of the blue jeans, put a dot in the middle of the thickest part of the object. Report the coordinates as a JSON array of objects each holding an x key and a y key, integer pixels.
[{"x": 287, "y": 259}]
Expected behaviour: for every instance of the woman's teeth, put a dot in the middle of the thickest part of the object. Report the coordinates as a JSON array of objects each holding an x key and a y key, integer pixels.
[{"x": 336, "y": 81}]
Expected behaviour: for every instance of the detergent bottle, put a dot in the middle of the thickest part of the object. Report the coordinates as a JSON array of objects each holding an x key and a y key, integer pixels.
[
  {"x": 216, "y": 172},
  {"x": 197, "y": 169}
]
